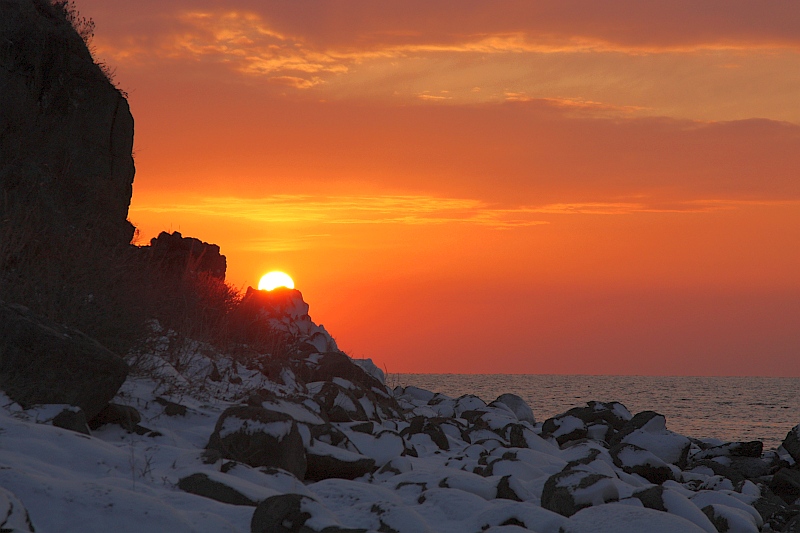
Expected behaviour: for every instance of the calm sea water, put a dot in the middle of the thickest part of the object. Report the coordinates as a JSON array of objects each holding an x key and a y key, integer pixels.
[{"x": 728, "y": 408}]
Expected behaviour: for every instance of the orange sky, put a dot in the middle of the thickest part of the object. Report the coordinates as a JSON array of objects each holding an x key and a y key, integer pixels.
[{"x": 514, "y": 187}]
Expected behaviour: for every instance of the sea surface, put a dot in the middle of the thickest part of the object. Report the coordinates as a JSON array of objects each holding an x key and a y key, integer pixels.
[{"x": 727, "y": 408}]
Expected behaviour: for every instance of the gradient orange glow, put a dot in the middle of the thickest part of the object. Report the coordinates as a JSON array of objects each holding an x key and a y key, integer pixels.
[{"x": 516, "y": 187}]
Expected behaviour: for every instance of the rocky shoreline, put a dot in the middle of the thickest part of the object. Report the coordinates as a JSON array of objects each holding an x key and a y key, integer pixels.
[{"x": 316, "y": 442}]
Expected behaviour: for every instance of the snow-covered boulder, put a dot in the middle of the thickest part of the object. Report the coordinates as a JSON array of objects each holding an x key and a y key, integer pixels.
[
  {"x": 259, "y": 437},
  {"x": 635, "y": 460},
  {"x": 518, "y": 406},
  {"x": 648, "y": 430},
  {"x": 569, "y": 491},
  {"x": 621, "y": 518},
  {"x": 327, "y": 461}
]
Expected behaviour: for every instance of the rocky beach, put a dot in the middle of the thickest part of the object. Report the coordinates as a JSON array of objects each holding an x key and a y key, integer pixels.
[
  {"x": 317, "y": 442},
  {"x": 140, "y": 392}
]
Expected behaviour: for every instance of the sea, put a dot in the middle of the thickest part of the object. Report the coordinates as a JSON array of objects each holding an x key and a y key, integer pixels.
[{"x": 726, "y": 408}]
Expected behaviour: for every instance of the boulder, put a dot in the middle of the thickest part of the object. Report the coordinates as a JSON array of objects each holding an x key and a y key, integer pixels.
[
  {"x": 72, "y": 419},
  {"x": 202, "y": 485},
  {"x": 786, "y": 484},
  {"x": 569, "y": 491},
  {"x": 564, "y": 428},
  {"x": 280, "y": 514},
  {"x": 339, "y": 365},
  {"x": 518, "y": 406},
  {"x": 792, "y": 443},
  {"x": 290, "y": 513},
  {"x": 259, "y": 437},
  {"x": 635, "y": 460},
  {"x": 125, "y": 416},
  {"x": 648, "y": 430},
  {"x": 326, "y": 461},
  {"x": 43, "y": 362}
]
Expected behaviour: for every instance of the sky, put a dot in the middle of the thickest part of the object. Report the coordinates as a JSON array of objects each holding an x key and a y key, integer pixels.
[{"x": 550, "y": 187}]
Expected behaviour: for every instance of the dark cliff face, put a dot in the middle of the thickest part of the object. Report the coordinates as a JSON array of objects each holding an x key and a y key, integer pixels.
[
  {"x": 66, "y": 175},
  {"x": 66, "y": 133}
]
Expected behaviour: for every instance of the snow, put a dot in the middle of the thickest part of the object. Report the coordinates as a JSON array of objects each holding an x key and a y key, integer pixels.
[
  {"x": 619, "y": 518},
  {"x": 117, "y": 481}
]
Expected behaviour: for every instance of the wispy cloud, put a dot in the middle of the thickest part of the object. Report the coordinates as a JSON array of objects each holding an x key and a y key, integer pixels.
[
  {"x": 300, "y": 209},
  {"x": 417, "y": 210}
]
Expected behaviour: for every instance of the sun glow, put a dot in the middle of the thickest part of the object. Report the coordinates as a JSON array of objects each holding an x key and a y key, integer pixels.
[{"x": 275, "y": 279}]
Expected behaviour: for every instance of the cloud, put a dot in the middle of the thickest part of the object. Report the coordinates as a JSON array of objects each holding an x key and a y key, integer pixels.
[{"x": 301, "y": 209}]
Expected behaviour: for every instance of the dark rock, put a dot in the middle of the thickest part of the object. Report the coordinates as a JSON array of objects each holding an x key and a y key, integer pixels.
[
  {"x": 288, "y": 513},
  {"x": 339, "y": 403},
  {"x": 792, "y": 443},
  {"x": 731, "y": 449},
  {"x": 42, "y": 362},
  {"x": 176, "y": 255},
  {"x": 505, "y": 491},
  {"x": 651, "y": 497},
  {"x": 564, "y": 428},
  {"x": 66, "y": 133},
  {"x": 326, "y": 463},
  {"x": 750, "y": 467},
  {"x": 72, "y": 420},
  {"x": 721, "y": 470},
  {"x": 612, "y": 414},
  {"x": 172, "y": 408},
  {"x": 124, "y": 416},
  {"x": 648, "y": 430},
  {"x": 259, "y": 437},
  {"x": 559, "y": 493},
  {"x": 786, "y": 484},
  {"x": 202, "y": 485},
  {"x": 773, "y": 509},
  {"x": 280, "y": 514},
  {"x": 635, "y": 460},
  {"x": 719, "y": 521},
  {"x": 339, "y": 365},
  {"x": 429, "y": 427}
]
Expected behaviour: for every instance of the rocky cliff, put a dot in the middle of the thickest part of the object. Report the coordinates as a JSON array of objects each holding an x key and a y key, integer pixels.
[{"x": 66, "y": 132}]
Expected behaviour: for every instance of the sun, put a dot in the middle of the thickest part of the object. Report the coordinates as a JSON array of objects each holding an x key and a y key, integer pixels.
[{"x": 275, "y": 279}]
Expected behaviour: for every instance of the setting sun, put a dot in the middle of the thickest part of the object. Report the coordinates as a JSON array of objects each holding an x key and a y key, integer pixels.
[{"x": 275, "y": 279}]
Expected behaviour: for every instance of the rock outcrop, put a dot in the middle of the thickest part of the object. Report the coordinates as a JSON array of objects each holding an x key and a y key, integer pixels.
[
  {"x": 66, "y": 132},
  {"x": 176, "y": 255}
]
